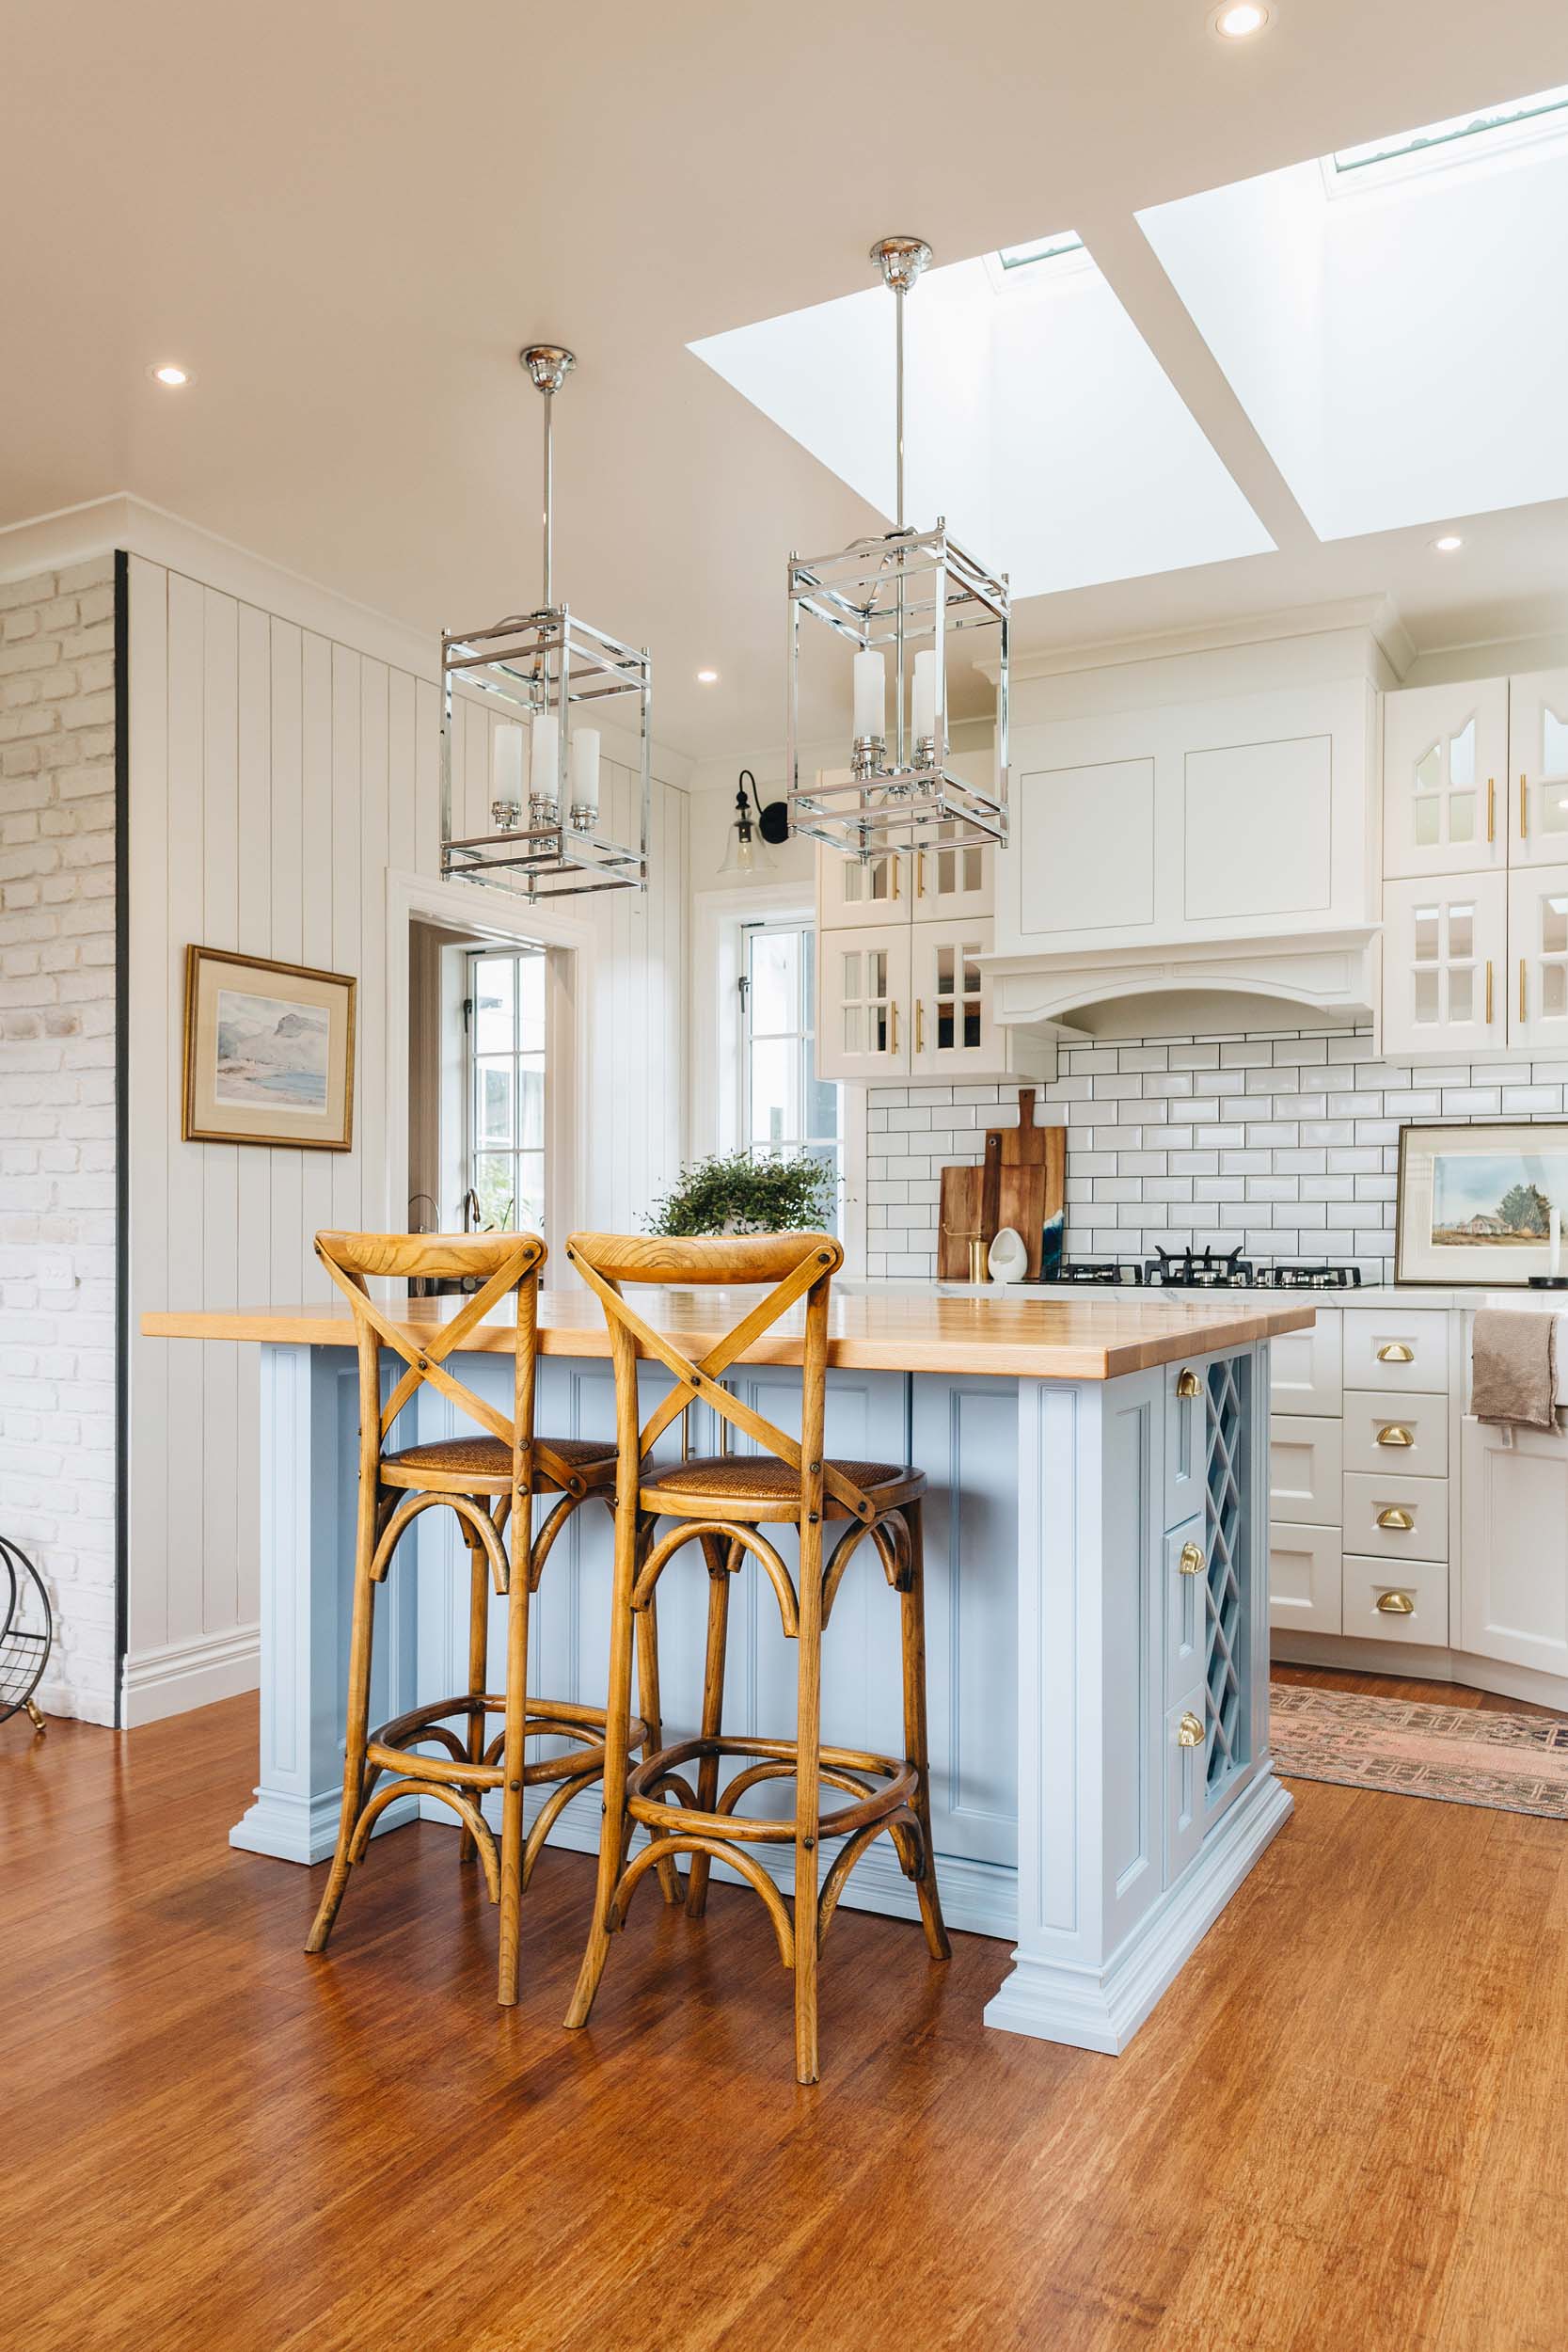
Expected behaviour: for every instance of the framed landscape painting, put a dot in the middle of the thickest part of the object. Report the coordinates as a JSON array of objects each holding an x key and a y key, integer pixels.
[
  {"x": 269, "y": 1053},
  {"x": 1475, "y": 1203}
]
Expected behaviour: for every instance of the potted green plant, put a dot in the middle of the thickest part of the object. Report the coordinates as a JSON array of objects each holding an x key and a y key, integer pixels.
[{"x": 734, "y": 1193}]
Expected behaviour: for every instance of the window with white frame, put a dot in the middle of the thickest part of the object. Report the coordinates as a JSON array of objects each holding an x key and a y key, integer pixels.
[
  {"x": 783, "y": 1105},
  {"x": 504, "y": 1023}
]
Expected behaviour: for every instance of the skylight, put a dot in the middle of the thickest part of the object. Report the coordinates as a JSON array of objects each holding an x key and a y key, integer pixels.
[
  {"x": 1038, "y": 420},
  {"x": 1517, "y": 118}
]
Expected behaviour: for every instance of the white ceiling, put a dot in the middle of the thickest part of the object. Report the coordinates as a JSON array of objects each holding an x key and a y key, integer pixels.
[{"x": 346, "y": 220}]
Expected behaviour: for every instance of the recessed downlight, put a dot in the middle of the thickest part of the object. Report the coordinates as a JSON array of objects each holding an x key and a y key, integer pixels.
[
  {"x": 1449, "y": 544},
  {"x": 1239, "y": 19},
  {"x": 169, "y": 371},
  {"x": 707, "y": 677}
]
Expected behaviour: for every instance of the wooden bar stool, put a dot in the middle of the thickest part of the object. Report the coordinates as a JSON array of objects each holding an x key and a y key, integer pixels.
[
  {"x": 722, "y": 1502},
  {"x": 489, "y": 1478}
]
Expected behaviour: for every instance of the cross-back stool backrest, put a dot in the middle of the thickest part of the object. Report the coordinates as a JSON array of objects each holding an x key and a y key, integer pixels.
[
  {"x": 799, "y": 1267},
  {"x": 503, "y": 1265}
]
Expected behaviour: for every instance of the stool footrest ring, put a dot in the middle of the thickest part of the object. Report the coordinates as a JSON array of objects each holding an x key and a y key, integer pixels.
[{"x": 842, "y": 1768}]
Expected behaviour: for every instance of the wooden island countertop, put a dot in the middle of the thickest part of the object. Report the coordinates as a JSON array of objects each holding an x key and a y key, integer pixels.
[{"x": 1012, "y": 1334}]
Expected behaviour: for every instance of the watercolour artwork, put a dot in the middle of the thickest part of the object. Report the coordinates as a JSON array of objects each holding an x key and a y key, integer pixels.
[{"x": 271, "y": 1052}]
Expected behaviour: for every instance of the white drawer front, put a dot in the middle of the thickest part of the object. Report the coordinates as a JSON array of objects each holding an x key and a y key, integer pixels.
[
  {"x": 1306, "y": 1460},
  {"x": 1386, "y": 1604},
  {"x": 1377, "y": 1507},
  {"x": 1304, "y": 1577},
  {"x": 1396, "y": 1350},
  {"x": 1305, "y": 1367},
  {"x": 1405, "y": 1434}
]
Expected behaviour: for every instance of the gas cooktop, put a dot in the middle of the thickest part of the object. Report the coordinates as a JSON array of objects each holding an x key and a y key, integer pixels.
[{"x": 1205, "y": 1270}]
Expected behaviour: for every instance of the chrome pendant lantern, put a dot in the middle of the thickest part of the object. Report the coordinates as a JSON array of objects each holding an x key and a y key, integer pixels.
[
  {"x": 515, "y": 735},
  {"x": 908, "y": 593}
]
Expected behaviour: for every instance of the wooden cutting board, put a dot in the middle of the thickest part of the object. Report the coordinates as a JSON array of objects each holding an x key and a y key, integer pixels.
[
  {"x": 960, "y": 1218},
  {"x": 1025, "y": 1169}
]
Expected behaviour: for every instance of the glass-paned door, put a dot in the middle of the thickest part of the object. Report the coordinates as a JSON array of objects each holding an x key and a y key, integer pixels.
[
  {"x": 1538, "y": 952},
  {"x": 866, "y": 1004},
  {"x": 1444, "y": 949},
  {"x": 1444, "y": 766},
  {"x": 505, "y": 1017},
  {"x": 1537, "y": 756}
]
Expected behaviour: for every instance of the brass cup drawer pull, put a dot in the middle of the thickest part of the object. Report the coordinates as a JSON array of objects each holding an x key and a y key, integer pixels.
[
  {"x": 1189, "y": 1731},
  {"x": 1396, "y": 1352},
  {"x": 1391, "y": 1433},
  {"x": 1398, "y": 1520},
  {"x": 1191, "y": 1560},
  {"x": 1395, "y": 1605},
  {"x": 1188, "y": 1383}
]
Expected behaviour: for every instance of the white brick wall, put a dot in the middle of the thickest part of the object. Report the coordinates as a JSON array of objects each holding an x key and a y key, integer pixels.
[
  {"x": 58, "y": 1111},
  {"x": 1287, "y": 1145}
]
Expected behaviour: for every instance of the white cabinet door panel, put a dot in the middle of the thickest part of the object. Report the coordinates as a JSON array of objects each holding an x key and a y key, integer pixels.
[
  {"x": 1086, "y": 849},
  {"x": 1305, "y": 1465},
  {"x": 951, "y": 1033},
  {"x": 1306, "y": 1367},
  {"x": 1257, "y": 825},
  {"x": 850, "y": 893},
  {"x": 1538, "y": 768},
  {"x": 1385, "y": 1434},
  {"x": 1445, "y": 765},
  {"x": 863, "y": 994},
  {"x": 1304, "y": 1577},
  {"x": 1513, "y": 1579},
  {"x": 1538, "y": 959},
  {"x": 1445, "y": 945}
]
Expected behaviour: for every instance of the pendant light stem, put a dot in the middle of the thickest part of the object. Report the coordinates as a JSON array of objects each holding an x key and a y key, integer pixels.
[{"x": 550, "y": 486}]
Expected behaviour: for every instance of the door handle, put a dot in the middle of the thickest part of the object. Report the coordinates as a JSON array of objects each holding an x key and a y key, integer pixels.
[
  {"x": 894, "y": 862},
  {"x": 920, "y": 1025},
  {"x": 1391, "y": 1433},
  {"x": 1395, "y": 1605},
  {"x": 920, "y": 873},
  {"x": 1191, "y": 1562},
  {"x": 1188, "y": 1384},
  {"x": 893, "y": 1033},
  {"x": 1398, "y": 1521},
  {"x": 1489, "y": 992},
  {"x": 1396, "y": 1352},
  {"x": 1189, "y": 1731},
  {"x": 1491, "y": 808}
]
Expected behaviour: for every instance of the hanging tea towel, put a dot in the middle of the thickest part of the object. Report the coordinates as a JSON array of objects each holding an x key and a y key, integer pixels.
[{"x": 1513, "y": 1368}]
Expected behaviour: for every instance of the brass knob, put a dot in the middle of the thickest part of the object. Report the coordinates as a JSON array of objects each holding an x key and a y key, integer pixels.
[
  {"x": 1191, "y": 1562},
  {"x": 1188, "y": 1383},
  {"x": 1395, "y": 1353},
  {"x": 1189, "y": 1731},
  {"x": 1393, "y": 1435},
  {"x": 1401, "y": 1522},
  {"x": 1396, "y": 1605}
]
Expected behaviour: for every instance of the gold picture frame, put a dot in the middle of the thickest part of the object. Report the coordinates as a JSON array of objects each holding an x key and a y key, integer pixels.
[{"x": 269, "y": 1063}]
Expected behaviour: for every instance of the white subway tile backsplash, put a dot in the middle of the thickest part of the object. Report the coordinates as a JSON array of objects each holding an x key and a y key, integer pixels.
[{"x": 1287, "y": 1145}]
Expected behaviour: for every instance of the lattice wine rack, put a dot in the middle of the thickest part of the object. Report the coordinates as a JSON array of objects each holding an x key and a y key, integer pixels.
[{"x": 1227, "y": 1595}]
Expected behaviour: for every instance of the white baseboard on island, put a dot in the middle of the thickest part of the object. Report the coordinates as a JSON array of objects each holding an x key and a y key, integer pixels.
[{"x": 1102, "y": 2009}]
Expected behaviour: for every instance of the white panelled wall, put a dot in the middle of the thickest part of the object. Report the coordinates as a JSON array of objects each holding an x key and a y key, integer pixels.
[{"x": 276, "y": 773}]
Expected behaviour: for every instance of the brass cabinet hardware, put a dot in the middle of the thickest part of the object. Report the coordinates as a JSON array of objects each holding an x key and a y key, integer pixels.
[
  {"x": 894, "y": 862},
  {"x": 1191, "y": 1562},
  {"x": 1188, "y": 1383},
  {"x": 1391, "y": 1433},
  {"x": 1489, "y": 992},
  {"x": 920, "y": 1025},
  {"x": 1521, "y": 988},
  {"x": 1491, "y": 808},
  {"x": 1395, "y": 1605},
  {"x": 1396, "y": 1352},
  {"x": 920, "y": 873},
  {"x": 893, "y": 1042},
  {"x": 1524, "y": 808},
  {"x": 1189, "y": 1731},
  {"x": 1400, "y": 1521}
]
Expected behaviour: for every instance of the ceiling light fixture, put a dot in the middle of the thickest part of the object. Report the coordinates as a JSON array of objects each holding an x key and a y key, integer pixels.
[
  {"x": 910, "y": 589},
  {"x": 171, "y": 375},
  {"x": 707, "y": 677},
  {"x": 1240, "y": 18},
  {"x": 535, "y": 667},
  {"x": 746, "y": 851},
  {"x": 1448, "y": 544}
]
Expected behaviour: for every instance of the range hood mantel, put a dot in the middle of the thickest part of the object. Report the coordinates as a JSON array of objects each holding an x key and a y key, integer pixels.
[{"x": 1332, "y": 975}]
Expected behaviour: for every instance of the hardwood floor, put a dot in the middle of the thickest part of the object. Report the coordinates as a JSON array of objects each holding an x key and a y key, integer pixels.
[{"x": 1346, "y": 2126}]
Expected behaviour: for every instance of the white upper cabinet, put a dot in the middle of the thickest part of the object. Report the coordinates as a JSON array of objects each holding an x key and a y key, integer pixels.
[
  {"x": 862, "y": 999},
  {"x": 1444, "y": 771},
  {"x": 849, "y": 894},
  {"x": 1444, "y": 947},
  {"x": 1538, "y": 768},
  {"x": 1247, "y": 818},
  {"x": 1538, "y": 956},
  {"x": 950, "y": 880}
]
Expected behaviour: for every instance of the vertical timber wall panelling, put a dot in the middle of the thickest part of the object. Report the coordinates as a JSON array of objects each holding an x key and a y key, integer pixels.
[
  {"x": 275, "y": 775},
  {"x": 59, "y": 908}
]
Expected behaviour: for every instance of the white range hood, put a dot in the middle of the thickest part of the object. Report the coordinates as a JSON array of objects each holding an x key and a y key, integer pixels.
[{"x": 1332, "y": 979}]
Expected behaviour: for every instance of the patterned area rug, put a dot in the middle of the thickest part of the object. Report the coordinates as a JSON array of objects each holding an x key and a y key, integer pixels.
[{"x": 1459, "y": 1755}]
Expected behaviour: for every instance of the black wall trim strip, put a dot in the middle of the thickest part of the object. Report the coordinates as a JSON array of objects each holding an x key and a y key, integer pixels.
[{"x": 122, "y": 1124}]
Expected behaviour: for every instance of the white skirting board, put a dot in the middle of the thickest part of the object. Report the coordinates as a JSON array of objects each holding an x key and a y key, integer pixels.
[{"x": 182, "y": 1674}]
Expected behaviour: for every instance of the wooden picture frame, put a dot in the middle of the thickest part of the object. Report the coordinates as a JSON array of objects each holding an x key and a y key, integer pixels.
[
  {"x": 1458, "y": 1189},
  {"x": 271, "y": 1062}
]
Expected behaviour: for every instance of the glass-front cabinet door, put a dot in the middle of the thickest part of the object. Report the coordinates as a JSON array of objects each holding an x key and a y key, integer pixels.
[
  {"x": 1445, "y": 770},
  {"x": 864, "y": 1025},
  {"x": 950, "y": 880},
  {"x": 952, "y": 1034},
  {"x": 1445, "y": 945},
  {"x": 1538, "y": 761},
  {"x": 1538, "y": 959}
]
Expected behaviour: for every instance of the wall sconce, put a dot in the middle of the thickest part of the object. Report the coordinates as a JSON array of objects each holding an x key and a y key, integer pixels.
[{"x": 747, "y": 851}]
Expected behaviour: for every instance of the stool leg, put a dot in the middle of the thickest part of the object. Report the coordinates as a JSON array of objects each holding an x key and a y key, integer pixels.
[
  {"x": 479, "y": 1658},
  {"x": 916, "y": 1744},
  {"x": 716, "y": 1555},
  {"x": 628, "y": 1549},
  {"x": 512, "y": 1749},
  {"x": 808, "y": 1800},
  {"x": 353, "y": 1753},
  {"x": 648, "y": 1708}
]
